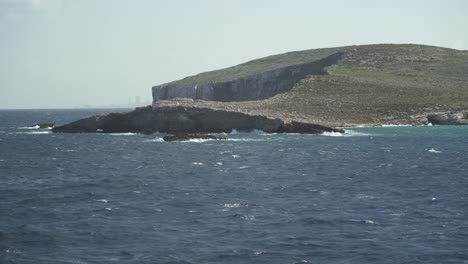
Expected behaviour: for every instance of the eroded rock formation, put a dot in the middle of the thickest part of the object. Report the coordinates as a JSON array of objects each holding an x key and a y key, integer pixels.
[
  {"x": 173, "y": 118},
  {"x": 447, "y": 119}
]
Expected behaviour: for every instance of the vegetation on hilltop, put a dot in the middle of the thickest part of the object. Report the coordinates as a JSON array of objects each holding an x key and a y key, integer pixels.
[
  {"x": 257, "y": 66},
  {"x": 379, "y": 84},
  {"x": 386, "y": 83}
]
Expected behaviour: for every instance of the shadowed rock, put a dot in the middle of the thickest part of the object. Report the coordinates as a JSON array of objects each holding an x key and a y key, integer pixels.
[
  {"x": 447, "y": 119},
  {"x": 176, "y": 119}
]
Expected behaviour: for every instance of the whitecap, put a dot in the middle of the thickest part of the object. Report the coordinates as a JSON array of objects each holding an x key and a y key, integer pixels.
[
  {"x": 219, "y": 163},
  {"x": 255, "y": 132},
  {"x": 332, "y": 134},
  {"x": 196, "y": 140},
  {"x": 239, "y": 139},
  {"x": 37, "y": 133},
  {"x": 247, "y": 217},
  {"x": 352, "y": 133},
  {"x": 363, "y": 221},
  {"x": 235, "y": 156},
  {"x": 244, "y": 167},
  {"x": 31, "y": 127},
  {"x": 123, "y": 134},
  {"x": 108, "y": 208},
  {"x": 395, "y": 125},
  {"x": 365, "y": 197},
  {"x": 432, "y": 150},
  {"x": 429, "y": 124},
  {"x": 197, "y": 163},
  {"x": 158, "y": 139},
  {"x": 232, "y": 205},
  {"x": 102, "y": 200}
]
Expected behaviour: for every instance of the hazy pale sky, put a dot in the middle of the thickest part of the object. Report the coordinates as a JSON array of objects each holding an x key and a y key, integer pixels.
[{"x": 65, "y": 53}]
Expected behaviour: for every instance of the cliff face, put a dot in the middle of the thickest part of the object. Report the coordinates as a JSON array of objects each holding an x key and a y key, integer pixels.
[
  {"x": 171, "y": 117},
  {"x": 254, "y": 87}
]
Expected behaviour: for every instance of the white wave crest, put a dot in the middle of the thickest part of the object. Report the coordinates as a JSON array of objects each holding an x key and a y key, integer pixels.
[
  {"x": 196, "y": 140},
  {"x": 332, "y": 134},
  {"x": 232, "y": 205},
  {"x": 31, "y": 127},
  {"x": 255, "y": 131},
  {"x": 396, "y": 125},
  {"x": 245, "y": 139},
  {"x": 37, "y": 133},
  {"x": 123, "y": 134},
  {"x": 432, "y": 150},
  {"x": 158, "y": 139}
]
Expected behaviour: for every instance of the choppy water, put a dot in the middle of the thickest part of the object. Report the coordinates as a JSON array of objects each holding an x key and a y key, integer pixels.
[{"x": 381, "y": 195}]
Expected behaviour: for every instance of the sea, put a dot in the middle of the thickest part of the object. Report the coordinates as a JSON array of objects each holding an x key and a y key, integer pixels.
[{"x": 396, "y": 194}]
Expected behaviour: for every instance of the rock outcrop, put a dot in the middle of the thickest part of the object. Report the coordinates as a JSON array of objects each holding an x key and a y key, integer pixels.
[
  {"x": 447, "y": 119},
  {"x": 173, "y": 118},
  {"x": 254, "y": 87}
]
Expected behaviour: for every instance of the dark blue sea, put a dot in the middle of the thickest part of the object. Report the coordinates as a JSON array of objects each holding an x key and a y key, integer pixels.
[{"x": 378, "y": 195}]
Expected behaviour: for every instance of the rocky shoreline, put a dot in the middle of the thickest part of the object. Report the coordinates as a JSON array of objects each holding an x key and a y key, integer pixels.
[
  {"x": 178, "y": 117},
  {"x": 187, "y": 116}
]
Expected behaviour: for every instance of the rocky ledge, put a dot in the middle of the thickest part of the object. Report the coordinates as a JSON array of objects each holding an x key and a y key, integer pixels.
[
  {"x": 447, "y": 119},
  {"x": 179, "y": 116}
]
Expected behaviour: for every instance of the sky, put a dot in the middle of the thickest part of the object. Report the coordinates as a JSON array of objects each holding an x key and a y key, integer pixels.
[{"x": 71, "y": 53}]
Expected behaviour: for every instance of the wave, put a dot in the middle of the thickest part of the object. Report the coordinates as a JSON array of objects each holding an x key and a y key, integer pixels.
[
  {"x": 35, "y": 132},
  {"x": 348, "y": 133},
  {"x": 30, "y": 127},
  {"x": 254, "y": 132},
  {"x": 395, "y": 125},
  {"x": 332, "y": 134},
  {"x": 157, "y": 139},
  {"x": 246, "y": 139},
  {"x": 432, "y": 150},
  {"x": 123, "y": 134},
  {"x": 196, "y": 140},
  {"x": 232, "y": 205}
]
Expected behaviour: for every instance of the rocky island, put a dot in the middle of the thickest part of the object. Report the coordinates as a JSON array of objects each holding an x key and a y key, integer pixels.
[{"x": 309, "y": 91}]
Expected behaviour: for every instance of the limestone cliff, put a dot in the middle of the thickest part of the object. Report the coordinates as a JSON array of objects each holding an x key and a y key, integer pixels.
[{"x": 253, "y": 87}]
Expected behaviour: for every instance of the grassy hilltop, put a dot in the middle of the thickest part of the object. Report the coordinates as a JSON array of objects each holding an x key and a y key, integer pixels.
[{"x": 372, "y": 84}]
